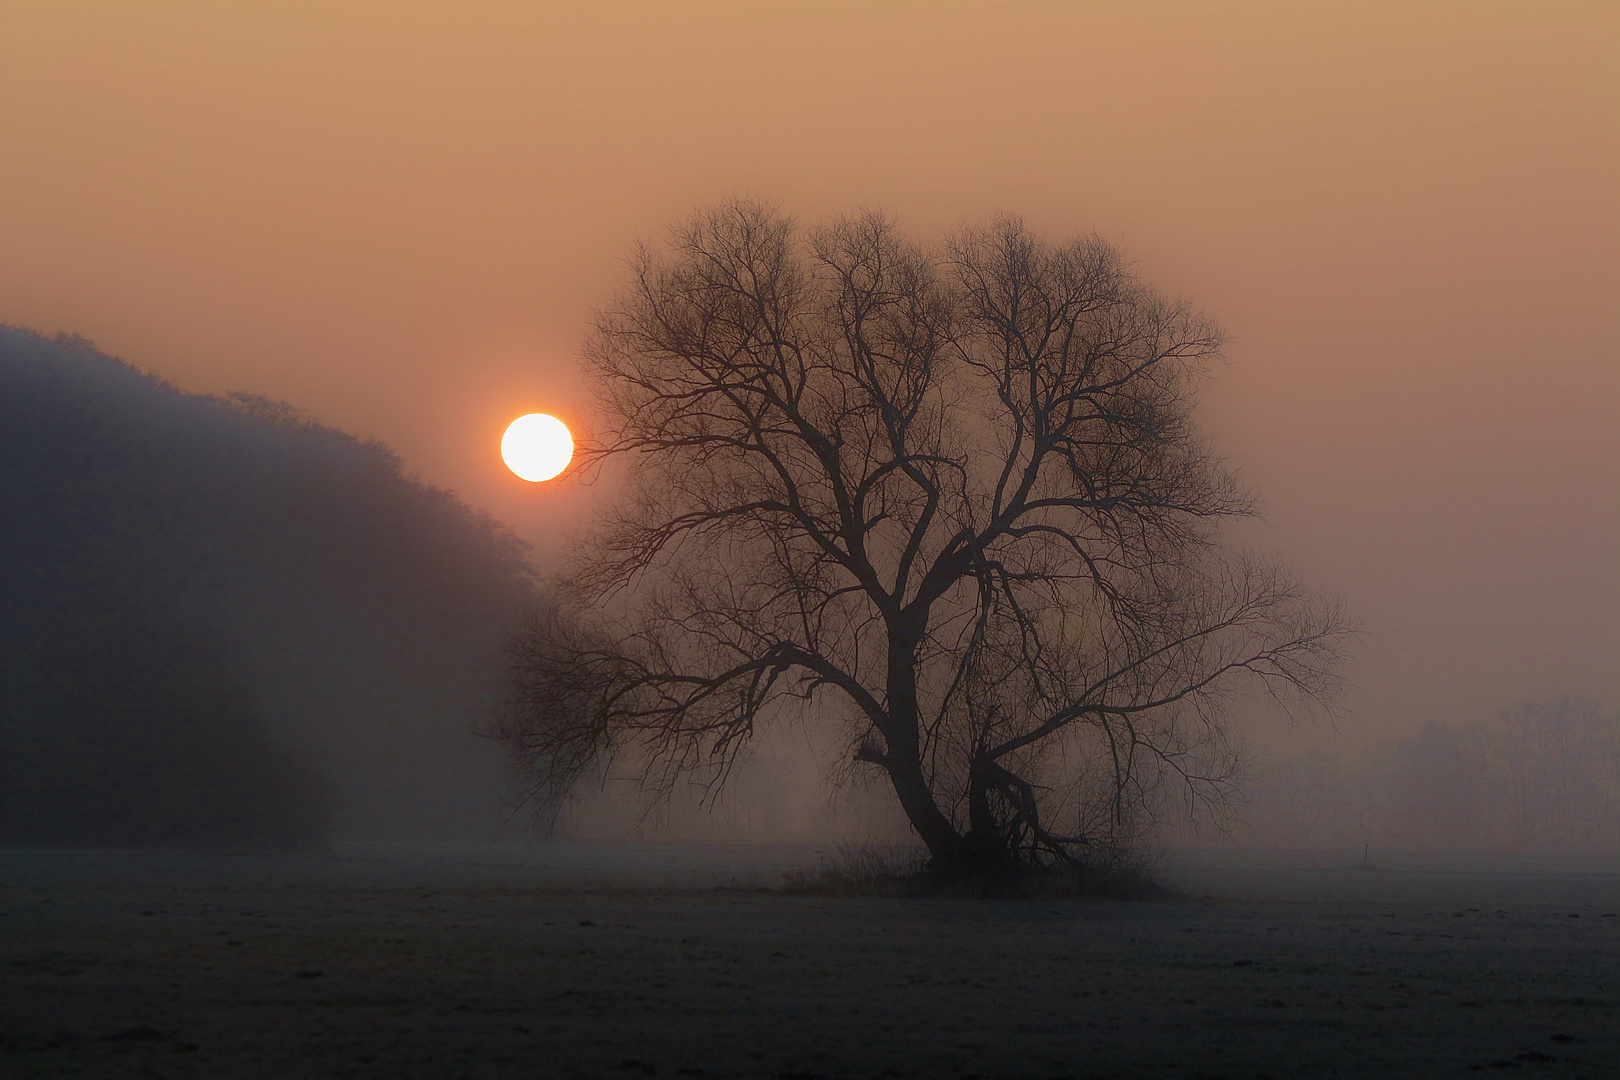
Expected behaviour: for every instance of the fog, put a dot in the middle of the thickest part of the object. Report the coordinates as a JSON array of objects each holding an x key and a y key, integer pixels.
[{"x": 1535, "y": 777}]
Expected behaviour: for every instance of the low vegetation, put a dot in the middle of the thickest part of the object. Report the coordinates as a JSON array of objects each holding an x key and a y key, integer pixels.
[{"x": 871, "y": 870}]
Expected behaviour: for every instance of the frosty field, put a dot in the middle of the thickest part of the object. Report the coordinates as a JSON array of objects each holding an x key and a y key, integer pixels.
[{"x": 626, "y": 961}]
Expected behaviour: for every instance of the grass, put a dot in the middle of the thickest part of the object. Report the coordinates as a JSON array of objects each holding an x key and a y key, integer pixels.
[{"x": 872, "y": 870}]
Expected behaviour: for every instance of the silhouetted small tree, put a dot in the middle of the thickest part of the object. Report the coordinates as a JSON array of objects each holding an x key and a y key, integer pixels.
[{"x": 954, "y": 498}]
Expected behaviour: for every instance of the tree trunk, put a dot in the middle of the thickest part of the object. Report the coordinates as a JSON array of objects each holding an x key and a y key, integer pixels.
[
  {"x": 944, "y": 843},
  {"x": 903, "y": 759},
  {"x": 983, "y": 843}
]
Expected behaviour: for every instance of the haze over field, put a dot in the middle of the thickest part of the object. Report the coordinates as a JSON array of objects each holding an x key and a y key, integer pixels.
[{"x": 399, "y": 217}]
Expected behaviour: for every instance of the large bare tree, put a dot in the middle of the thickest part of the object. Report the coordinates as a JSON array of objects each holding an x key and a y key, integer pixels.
[{"x": 952, "y": 499}]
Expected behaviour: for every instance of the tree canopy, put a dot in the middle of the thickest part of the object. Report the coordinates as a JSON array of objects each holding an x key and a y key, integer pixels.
[{"x": 952, "y": 499}]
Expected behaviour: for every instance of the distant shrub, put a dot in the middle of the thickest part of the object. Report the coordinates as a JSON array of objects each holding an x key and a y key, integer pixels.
[{"x": 1544, "y": 776}]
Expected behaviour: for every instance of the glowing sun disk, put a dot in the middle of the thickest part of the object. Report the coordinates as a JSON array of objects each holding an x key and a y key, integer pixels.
[{"x": 537, "y": 447}]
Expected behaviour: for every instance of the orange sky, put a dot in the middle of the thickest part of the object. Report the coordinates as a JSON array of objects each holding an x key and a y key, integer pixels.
[{"x": 399, "y": 215}]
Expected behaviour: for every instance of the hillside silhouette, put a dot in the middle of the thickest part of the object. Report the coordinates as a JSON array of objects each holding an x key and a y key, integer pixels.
[{"x": 222, "y": 623}]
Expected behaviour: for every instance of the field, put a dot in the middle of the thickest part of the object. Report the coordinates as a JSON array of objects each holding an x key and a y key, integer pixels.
[{"x": 626, "y": 961}]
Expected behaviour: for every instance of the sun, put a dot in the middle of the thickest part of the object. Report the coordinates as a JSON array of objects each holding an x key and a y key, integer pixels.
[{"x": 537, "y": 447}]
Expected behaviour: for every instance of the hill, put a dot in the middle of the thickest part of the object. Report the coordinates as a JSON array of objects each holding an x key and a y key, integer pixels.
[{"x": 224, "y": 623}]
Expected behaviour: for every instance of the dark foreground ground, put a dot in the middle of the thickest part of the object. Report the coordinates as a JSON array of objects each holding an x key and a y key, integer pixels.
[{"x": 390, "y": 965}]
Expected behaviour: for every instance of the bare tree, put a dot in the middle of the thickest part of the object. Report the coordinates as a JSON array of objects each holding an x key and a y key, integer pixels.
[{"x": 953, "y": 499}]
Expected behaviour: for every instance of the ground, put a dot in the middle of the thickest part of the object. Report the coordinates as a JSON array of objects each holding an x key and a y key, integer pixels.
[{"x": 382, "y": 964}]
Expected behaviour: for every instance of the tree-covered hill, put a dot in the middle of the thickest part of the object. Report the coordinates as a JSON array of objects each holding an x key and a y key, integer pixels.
[{"x": 223, "y": 623}]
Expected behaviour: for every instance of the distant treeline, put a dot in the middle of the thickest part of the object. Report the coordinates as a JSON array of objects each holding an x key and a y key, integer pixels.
[
  {"x": 223, "y": 623},
  {"x": 1543, "y": 776}
]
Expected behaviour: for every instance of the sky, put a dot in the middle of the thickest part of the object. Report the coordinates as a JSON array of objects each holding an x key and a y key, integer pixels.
[{"x": 399, "y": 216}]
